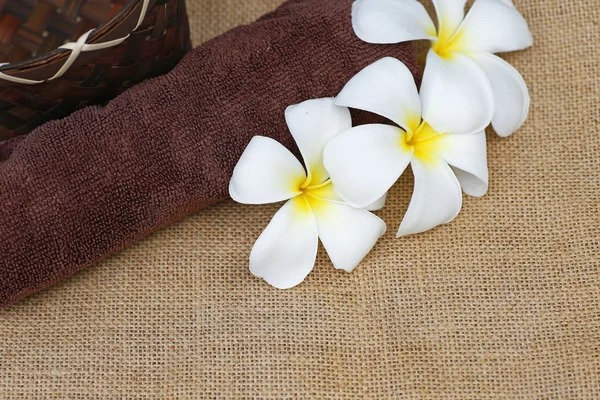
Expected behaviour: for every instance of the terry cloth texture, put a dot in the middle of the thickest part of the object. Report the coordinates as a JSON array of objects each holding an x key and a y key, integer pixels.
[
  {"x": 501, "y": 304},
  {"x": 78, "y": 189}
]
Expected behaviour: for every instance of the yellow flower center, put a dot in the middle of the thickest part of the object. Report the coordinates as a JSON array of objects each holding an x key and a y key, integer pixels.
[
  {"x": 309, "y": 195},
  {"x": 424, "y": 141},
  {"x": 448, "y": 43}
]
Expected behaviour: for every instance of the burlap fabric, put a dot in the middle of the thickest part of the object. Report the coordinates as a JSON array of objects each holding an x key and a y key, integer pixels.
[{"x": 501, "y": 304}]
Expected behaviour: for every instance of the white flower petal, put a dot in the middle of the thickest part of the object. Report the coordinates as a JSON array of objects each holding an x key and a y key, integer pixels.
[
  {"x": 511, "y": 96},
  {"x": 312, "y": 124},
  {"x": 494, "y": 26},
  {"x": 450, "y": 15},
  {"x": 471, "y": 184},
  {"x": 328, "y": 193},
  {"x": 267, "y": 172},
  {"x": 386, "y": 88},
  {"x": 437, "y": 198},
  {"x": 456, "y": 95},
  {"x": 378, "y": 205},
  {"x": 364, "y": 162},
  {"x": 285, "y": 252},
  {"x": 467, "y": 154},
  {"x": 348, "y": 234},
  {"x": 391, "y": 21}
]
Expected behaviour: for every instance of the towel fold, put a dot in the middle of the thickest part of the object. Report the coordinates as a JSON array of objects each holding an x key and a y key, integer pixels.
[{"x": 78, "y": 189}]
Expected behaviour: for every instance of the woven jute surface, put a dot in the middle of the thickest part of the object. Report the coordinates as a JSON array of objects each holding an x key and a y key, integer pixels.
[{"x": 501, "y": 304}]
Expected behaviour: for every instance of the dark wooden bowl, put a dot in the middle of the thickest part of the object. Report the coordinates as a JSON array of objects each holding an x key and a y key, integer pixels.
[{"x": 45, "y": 76}]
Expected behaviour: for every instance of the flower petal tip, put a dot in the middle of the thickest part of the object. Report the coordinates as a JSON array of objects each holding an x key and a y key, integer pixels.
[{"x": 391, "y": 21}]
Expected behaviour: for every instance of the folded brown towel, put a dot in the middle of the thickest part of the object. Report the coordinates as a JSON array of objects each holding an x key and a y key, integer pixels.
[{"x": 78, "y": 189}]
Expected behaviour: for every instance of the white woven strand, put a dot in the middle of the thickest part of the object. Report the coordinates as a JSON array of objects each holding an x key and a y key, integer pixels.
[
  {"x": 15, "y": 79},
  {"x": 76, "y": 49},
  {"x": 142, "y": 14},
  {"x": 80, "y": 46}
]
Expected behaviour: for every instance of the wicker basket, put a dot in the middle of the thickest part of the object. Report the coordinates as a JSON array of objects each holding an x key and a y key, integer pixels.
[{"x": 57, "y": 56}]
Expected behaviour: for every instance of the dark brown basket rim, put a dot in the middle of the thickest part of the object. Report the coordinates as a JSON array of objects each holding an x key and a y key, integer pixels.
[{"x": 57, "y": 55}]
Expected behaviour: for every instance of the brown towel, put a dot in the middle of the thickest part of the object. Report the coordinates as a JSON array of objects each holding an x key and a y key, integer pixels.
[{"x": 76, "y": 190}]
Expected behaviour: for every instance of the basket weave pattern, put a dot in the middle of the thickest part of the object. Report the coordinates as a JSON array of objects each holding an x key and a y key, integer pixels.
[{"x": 32, "y": 30}]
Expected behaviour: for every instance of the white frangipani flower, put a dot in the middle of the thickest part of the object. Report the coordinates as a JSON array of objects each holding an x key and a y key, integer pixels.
[
  {"x": 267, "y": 172},
  {"x": 464, "y": 85},
  {"x": 364, "y": 162}
]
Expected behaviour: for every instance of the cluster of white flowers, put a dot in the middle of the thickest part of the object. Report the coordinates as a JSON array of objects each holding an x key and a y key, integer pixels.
[{"x": 348, "y": 171}]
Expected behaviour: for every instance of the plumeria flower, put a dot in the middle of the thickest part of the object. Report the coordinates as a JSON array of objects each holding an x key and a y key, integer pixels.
[
  {"x": 464, "y": 85},
  {"x": 364, "y": 162},
  {"x": 267, "y": 172}
]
